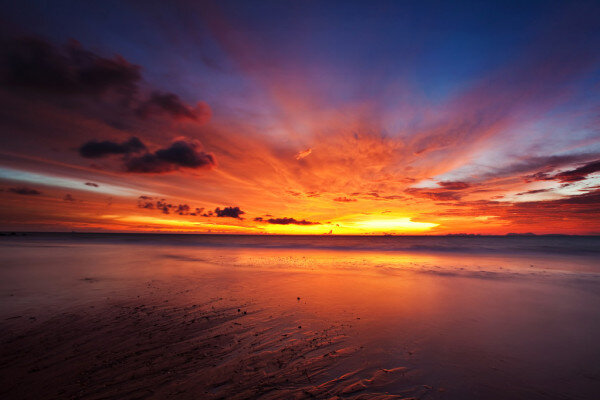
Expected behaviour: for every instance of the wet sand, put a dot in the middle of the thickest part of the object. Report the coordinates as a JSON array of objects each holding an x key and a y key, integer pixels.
[{"x": 98, "y": 320}]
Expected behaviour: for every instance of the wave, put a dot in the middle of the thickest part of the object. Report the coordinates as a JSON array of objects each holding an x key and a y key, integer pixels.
[{"x": 550, "y": 244}]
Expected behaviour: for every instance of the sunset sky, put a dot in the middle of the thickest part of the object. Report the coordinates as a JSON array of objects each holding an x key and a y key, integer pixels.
[{"x": 300, "y": 117}]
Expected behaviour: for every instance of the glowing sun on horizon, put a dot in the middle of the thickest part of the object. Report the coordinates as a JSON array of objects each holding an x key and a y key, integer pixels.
[{"x": 394, "y": 224}]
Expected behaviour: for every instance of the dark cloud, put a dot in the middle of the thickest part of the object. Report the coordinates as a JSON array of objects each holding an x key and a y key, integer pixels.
[
  {"x": 535, "y": 191},
  {"x": 544, "y": 164},
  {"x": 35, "y": 64},
  {"x": 92, "y": 184},
  {"x": 180, "y": 154},
  {"x": 580, "y": 173},
  {"x": 232, "y": 212},
  {"x": 25, "y": 191},
  {"x": 538, "y": 176},
  {"x": 569, "y": 176},
  {"x": 161, "y": 205},
  {"x": 182, "y": 209},
  {"x": 68, "y": 197},
  {"x": 146, "y": 202},
  {"x": 164, "y": 207},
  {"x": 454, "y": 185},
  {"x": 167, "y": 103},
  {"x": 289, "y": 221},
  {"x": 435, "y": 194},
  {"x": 68, "y": 74},
  {"x": 450, "y": 191},
  {"x": 96, "y": 149}
]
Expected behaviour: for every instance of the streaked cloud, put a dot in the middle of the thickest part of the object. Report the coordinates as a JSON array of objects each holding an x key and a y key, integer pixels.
[
  {"x": 303, "y": 154},
  {"x": 63, "y": 182}
]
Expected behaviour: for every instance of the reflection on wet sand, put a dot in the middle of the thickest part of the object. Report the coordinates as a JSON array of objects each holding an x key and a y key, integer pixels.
[{"x": 99, "y": 320}]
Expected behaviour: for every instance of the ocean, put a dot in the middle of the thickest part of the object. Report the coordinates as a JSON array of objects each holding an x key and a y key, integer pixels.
[
  {"x": 560, "y": 244},
  {"x": 231, "y": 316}
]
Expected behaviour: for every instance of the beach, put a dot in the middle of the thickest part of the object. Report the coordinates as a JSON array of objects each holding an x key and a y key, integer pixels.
[{"x": 214, "y": 317}]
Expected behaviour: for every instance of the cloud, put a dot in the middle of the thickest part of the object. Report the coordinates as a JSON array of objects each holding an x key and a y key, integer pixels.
[
  {"x": 96, "y": 149},
  {"x": 180, "y": 154},
  {"x": 232, "y": 212},
  {"x": 25, "y": 191},
  {"x": 584, "y": 207},
  {"x": 580, "y": 173},
  {"x": 303, "y": 154},
  {"x": 92, "y": 184},
  {"x": 150, "y": 203},
  {"x": 182, "y": 209},
  {"x": 572, "y": 212},
  {"x": 574, "y": 175},
  {"x": 535, "y": 191},
  {"x": 449, "y": 191},
  {"x": 69, "y": 198},
  {"x": 377, "y": 196},
  {"x": 536, "y": 163},
  {"x": 161, "y": 205},
  {"x": 344, "y": 199},
  {"x": 35, "y": 64},
  {"x": 454, "y": 185},
  {"x": 591, "y": 198},
  {"x": 145, "y": 202},
  {"x": 165, "y": 208},
  {"x": 171, "y": 104},
  {"x": 288, "y": 221},
  {"x": 32, "y": 65},
  {"x": 434, "y": 194}
]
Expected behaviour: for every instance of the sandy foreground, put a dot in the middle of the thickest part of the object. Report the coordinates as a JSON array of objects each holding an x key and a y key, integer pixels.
[{"x": 99, "y": 321}]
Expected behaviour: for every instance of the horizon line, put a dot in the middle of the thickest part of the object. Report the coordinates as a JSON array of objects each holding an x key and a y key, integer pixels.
[{"x": 510, "y": 234}]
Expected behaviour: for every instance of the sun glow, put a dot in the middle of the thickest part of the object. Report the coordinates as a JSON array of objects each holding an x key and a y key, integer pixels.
[
  {"x": 354, "y": 226},
  {"x": 191, "y": 226},
  {"x": 394, "y": 224}
]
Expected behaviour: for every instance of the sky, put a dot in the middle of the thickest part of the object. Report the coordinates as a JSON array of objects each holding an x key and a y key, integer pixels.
[{"x": 306, "y": 117}]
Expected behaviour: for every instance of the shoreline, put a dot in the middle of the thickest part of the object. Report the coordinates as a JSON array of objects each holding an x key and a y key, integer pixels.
[{"x": 154, "y": 347}]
